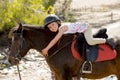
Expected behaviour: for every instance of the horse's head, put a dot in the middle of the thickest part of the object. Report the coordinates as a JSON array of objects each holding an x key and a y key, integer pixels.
[{"x": 19, "y": 46}]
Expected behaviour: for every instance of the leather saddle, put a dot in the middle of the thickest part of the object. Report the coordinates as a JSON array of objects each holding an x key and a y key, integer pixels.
[{"x": 87, "y": 52}]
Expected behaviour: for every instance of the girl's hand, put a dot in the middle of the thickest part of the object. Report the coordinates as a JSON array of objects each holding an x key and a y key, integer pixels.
[{"x": 44, "y": 51}]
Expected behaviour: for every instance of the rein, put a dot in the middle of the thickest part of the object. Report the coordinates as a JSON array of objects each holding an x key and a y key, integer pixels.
[
  {"x": 21, "y": 42},
  {"x": 19, "y": 72},
  {"x": 60, "y": 49}
]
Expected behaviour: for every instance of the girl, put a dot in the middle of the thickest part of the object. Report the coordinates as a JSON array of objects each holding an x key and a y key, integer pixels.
[{"x": 53, "y": 23}]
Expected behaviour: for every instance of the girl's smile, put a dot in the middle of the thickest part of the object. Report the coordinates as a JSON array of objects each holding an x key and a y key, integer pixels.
[{"x": 53, "y": 26}]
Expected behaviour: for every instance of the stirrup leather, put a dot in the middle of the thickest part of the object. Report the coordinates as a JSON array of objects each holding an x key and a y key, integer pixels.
[{"x": 84, "y": 66}]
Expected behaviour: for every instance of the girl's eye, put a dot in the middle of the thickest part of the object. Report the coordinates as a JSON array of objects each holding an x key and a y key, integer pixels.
[
  {"x": 52, "y": 24},
  {"x": 49, "y": 26}
]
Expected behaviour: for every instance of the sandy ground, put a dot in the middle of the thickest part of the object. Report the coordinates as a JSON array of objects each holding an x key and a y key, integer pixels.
[
  {"x": 32, "y": 67},
  {"x": 90, "y": 3}
]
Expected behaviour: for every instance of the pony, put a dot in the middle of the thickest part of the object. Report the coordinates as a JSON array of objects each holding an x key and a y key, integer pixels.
[{"x": 60, "y": 59}]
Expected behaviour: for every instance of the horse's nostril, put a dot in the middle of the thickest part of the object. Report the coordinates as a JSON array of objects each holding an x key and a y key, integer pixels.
[
  {"x": 13, "y": 60},
  {"x": 9, "y": 61}
]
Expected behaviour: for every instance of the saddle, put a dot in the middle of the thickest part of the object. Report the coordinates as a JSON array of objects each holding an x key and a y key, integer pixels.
[
  {"x": 101, "y": 52},
  {"x": 96, "y": 53}
]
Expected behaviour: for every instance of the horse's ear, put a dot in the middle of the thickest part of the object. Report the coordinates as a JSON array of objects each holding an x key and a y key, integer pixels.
[{"x": 20, "y": 28}]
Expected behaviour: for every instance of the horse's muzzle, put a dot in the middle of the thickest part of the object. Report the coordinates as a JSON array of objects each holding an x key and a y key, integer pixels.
[{"x": 13, "y": 60}]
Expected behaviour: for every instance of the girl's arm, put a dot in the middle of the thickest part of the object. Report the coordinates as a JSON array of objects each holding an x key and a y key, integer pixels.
[{"x": 55, "y": 40}]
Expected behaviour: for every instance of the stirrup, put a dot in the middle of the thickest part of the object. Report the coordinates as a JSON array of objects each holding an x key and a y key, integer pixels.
[{"x": 83, "y": 67}]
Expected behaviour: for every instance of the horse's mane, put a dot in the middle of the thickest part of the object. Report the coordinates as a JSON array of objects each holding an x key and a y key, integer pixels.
[{"x": 33, "y": 28}]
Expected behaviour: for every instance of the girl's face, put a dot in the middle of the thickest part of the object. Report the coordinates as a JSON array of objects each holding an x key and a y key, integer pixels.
[{"x": 53, "y": 26}]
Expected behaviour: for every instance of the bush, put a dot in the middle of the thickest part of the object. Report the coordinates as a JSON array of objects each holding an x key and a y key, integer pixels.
[{"x": 26, "y": 11}]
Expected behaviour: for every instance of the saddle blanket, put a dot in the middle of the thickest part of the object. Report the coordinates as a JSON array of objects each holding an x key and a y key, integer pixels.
[{"x": 104, "y": 52}]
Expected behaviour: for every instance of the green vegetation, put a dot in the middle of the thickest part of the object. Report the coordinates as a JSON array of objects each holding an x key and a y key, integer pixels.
[
  {"x": 64, "y": 11},
  {"x": 25, "y": 11},
  {"x": 13, "y": 12}
]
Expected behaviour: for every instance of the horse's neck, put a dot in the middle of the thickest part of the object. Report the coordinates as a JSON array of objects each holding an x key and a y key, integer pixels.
[
  {"x": 35, "y": 38},
  {"x": 62, "y": 43},
  {"x": 40, "y": 40},
  {"x": 39, "y": 43}
]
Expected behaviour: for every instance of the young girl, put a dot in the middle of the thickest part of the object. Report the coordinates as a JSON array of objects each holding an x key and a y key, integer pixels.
[{"x": 53, "y": 23}]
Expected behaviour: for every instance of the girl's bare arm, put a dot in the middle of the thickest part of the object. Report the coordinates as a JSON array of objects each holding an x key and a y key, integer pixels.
[{"x": 57, "y": 37}]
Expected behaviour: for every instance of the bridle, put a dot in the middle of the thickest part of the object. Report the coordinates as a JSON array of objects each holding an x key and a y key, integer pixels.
[
  {"x": 19, "y": 49},
  {"x": 59, "y": 49},
  {"x": 20, "y": 44}
]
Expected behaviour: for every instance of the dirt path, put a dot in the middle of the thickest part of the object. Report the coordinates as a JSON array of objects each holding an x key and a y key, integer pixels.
[
  {"x": 76, "y": 4},
  {"x": 32, "y": 67}
]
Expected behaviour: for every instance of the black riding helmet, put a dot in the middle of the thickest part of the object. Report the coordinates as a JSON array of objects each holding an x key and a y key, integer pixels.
[{"x": 51, "y": 18}]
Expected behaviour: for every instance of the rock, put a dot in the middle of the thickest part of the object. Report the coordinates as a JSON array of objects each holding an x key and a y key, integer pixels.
[{"x": 1, "y": 56}]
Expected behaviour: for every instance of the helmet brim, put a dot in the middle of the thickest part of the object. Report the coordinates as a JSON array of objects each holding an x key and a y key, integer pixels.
[{"x": 50, "y": 22}]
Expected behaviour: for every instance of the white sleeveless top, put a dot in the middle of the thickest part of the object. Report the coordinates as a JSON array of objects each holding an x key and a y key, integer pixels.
[{"x": 75, "y": 27}]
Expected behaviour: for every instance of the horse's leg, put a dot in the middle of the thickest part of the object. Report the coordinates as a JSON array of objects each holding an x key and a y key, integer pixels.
[
  {"x": 75, "y": 78},
  {"x": 66, "y": 76},
  {"x": 53, "y": 76},
  {"x": 57, "y": 76},
  {"x": 118, "y": 76},
  {"x": 63, "y": 76},
  {"x": 78, "y": 78}
]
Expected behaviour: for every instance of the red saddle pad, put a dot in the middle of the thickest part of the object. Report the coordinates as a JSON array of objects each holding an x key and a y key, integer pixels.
[{"x": 105, "y": 53}]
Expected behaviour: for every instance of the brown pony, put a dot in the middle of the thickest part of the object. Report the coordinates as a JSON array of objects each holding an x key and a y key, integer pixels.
[{"x": 60, "y": 58}]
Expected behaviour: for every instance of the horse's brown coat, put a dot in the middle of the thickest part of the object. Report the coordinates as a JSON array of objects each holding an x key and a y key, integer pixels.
[{"x": 63, "y": 64}]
